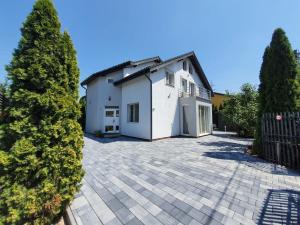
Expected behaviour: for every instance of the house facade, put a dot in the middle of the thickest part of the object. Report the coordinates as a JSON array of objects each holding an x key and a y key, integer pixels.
[{"x": 150, "y": 99}]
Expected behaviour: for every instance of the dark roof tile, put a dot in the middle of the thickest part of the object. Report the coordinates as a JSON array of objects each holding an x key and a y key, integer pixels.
[
  {"x": 119, "y": 67},
  {"x": 190, "y": 55}
]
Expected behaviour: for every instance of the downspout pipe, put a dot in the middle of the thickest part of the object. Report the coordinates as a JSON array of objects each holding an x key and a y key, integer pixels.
[
  {"x": 151, "y": 114},
  {"x": 85, "y": 105}
]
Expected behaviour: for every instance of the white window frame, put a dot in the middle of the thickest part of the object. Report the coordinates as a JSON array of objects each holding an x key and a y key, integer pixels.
[
  {"x": 110, "y": 80},
  {"x": 135, "y": 118},
  {"x": 170, "y": 82},
  {"x": 190, "y": 88},
  {"x": 191, "y": 69},
  {"x": 182, "y": 87},
  {"x": 184, "y": 64},
  {"x": 107, "y": 112}
]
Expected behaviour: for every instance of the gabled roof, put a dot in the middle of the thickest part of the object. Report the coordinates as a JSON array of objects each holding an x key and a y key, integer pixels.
[
  {"x": 120, "y": 67},
  {"x": 151, "y": 69}
]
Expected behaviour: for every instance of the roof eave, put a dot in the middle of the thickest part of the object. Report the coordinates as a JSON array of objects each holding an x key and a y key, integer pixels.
[
  {"x": 105, "y": 72},
  {"x": 132, "y": 76}
]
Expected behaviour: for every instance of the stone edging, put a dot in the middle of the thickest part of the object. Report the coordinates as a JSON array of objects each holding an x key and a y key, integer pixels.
[{"x": 69, "y": 217}]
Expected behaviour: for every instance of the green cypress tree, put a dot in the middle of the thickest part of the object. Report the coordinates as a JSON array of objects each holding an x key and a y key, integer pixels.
[
  {"x": 69, "y": 61},
  {"x": 40, "y": 166},
  {"x": 262, "y": 98},
  {"x": 82, "y": 119},
  {"x": 281, "y": 90}
]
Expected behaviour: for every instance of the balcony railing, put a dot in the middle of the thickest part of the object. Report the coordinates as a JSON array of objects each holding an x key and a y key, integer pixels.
[{"x": 197, "y": 92}]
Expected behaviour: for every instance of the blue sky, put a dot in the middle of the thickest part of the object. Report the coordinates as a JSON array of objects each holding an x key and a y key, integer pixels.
[{"x": 229, "y": 37}]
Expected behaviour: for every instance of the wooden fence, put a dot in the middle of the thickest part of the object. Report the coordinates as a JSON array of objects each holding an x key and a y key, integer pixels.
[{"x": 281, "y": 138}]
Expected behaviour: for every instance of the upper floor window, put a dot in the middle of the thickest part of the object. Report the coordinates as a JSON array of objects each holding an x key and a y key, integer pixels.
[
  {"x": 184, "y": 85},
  {"x": 133, "y": 112},
  {"x": 192, "y": 89},
  {"x": 170, "y": 80},
  {"x": 191, "y": 70},
  {"x": 184, "y": 65},
  {"x": 110, "y": 81}
]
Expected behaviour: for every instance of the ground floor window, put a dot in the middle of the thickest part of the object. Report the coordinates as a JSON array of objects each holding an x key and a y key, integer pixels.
[{"x": 133, "y": 112}]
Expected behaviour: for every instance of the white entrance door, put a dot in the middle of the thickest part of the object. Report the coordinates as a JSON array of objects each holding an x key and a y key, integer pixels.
[{"x": 111, "y": 120}]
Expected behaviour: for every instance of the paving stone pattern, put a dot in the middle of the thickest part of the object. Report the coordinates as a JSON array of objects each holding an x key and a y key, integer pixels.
[{"x": 189, "y": 181}]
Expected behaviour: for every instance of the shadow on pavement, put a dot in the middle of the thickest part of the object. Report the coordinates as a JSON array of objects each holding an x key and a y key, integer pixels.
[
  {"x": 225, "y": 145},
  {"x": 280, "y": 207},
  {"x": 226, "y": 150},
  {"x": 106, "y": 140}
]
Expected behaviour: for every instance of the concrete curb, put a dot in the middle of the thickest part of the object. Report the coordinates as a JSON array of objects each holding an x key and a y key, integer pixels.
[{"x": 69, "y": 217}]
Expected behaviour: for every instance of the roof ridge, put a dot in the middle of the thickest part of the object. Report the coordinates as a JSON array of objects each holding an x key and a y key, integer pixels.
[
  {"x": 148, "y": 59},
  {"x": 193, "y": 58}
]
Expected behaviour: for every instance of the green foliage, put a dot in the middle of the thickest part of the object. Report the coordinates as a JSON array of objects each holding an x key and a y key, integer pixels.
[
  {"x": 279, "y": 89},
  {"x": 99, "y": 133},
  {"x": 262, "y": 98},
  {"x": 40, "y": 164},
  {"x": 280, "y": 76},
  {"x": 240, "y": 110},
  {"x": 4, "y": 90},
  {"x": 297, "y": 84},
  {"x": 82, "y": 103}
]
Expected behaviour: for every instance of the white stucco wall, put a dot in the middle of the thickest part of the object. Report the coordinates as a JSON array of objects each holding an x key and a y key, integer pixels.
[
  {"x": 190, "y": 102},
  {"x": 136, "y": 91},
  {"x": 100, "y": 93},
  {"x": 166, "y": 107},
  {"x": 92, "y": 111}
]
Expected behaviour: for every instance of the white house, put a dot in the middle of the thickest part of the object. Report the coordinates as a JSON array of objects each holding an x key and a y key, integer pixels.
[{"x": 150, "y": 99}]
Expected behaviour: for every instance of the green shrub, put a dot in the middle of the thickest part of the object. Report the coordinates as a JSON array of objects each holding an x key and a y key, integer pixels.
[
  {"x": 40, "y": 164},
  {"x": 99, "y": 133},
  {"x": 240, "y": 111}
]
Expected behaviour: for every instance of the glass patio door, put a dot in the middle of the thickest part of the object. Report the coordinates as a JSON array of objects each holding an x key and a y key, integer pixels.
[{"x": 203, "y": 113}]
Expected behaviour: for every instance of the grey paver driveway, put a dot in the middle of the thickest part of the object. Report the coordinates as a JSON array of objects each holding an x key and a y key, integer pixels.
[{"x": 207, "y": 180}]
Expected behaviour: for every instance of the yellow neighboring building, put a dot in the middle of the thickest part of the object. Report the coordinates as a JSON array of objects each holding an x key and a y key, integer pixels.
[{"x": 218, "y": 99}]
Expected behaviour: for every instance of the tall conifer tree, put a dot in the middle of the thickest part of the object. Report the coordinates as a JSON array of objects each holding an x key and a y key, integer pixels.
[
  {"x": 282, "y": 73},
  {"x": 40, "y": 165},
  {"x": 279, "y": 89},
  {"x": 262, "y": 98}
]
